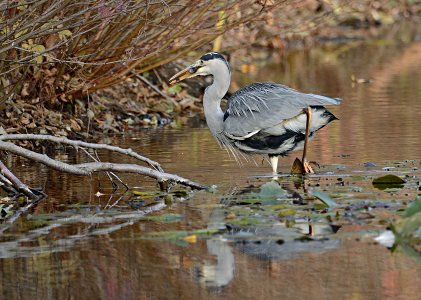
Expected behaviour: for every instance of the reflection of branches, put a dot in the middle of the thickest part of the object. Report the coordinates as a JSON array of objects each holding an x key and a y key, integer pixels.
[
  {"x": 88, "y": 168},
  {"x": 13, "y": 247}
]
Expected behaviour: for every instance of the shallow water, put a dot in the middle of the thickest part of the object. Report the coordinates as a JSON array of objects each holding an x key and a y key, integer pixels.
[{"x": 77, "y": 245}]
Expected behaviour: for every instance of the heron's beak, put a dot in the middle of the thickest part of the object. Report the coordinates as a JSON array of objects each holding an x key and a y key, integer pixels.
[
  {"x": 180, "y": 76},
  {"x": 186, "y": 73}
]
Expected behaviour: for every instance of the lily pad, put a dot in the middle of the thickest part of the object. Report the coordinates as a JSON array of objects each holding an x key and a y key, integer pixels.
[
  {"x": 287, "y": 212},
  {"x": 297, "y": 167},
  {"x": 390, "y": 178},
  {"x": 324, "y": 198},
  {"x": 270, "y": 192},
  {"x": 167, "y": 218},
  {"x": 182, "y": 235},
  {"x": 413, "y": 208},
  {"x": 247, "y": 221},
  {"x": 388, "y": 181}
]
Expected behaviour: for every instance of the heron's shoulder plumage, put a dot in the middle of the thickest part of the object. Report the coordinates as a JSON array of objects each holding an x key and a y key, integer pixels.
[{"x": 262, "y": 105}]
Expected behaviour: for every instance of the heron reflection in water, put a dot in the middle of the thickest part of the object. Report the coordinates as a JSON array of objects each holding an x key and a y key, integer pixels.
[{"x": 263, "y": 118}]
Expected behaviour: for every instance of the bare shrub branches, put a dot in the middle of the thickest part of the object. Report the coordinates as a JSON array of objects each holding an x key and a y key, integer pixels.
[{"x": 93, "y": 44}]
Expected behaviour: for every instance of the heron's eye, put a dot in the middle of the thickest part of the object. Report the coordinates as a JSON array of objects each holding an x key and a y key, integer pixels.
[{"x": 193, "y": 70}]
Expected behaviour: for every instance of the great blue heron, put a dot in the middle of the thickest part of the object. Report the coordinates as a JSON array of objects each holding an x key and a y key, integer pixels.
[{"x": 261, "y": 118}]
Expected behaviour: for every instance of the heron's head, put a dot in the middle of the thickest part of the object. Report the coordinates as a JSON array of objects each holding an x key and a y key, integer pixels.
[{"x": 208, "y": 64}]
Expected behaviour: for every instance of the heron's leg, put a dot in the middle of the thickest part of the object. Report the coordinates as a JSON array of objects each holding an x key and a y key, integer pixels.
[
  {"x": 307, "y": 168},
  {"x": 274, "y": 163}
]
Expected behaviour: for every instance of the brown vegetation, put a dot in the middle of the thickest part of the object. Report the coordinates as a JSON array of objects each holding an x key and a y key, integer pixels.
[{"x": 55, "y": 54}]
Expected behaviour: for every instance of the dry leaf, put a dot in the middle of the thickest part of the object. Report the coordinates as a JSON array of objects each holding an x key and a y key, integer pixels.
[
  {"x": 24, "y": 121},
  {"x": 297, "y": 167},
  {"x": 74, "y": 125},
  {"x": 52, "y": 40},
  {"x": 31, "y": 125},
  {"x": 190, "y": 238},
  {"x": 24, "y": 91},
  {"x": 51, "y": 72}
]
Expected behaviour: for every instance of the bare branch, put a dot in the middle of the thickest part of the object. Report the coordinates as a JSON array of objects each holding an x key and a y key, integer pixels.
[
  {"x": 89, "y": 168},
  {"x": 100, "y": 43},
  {"x": 76, "y": 144},
  {"x": 133, "y": 168},
  {"x": 11, "y": 178}
]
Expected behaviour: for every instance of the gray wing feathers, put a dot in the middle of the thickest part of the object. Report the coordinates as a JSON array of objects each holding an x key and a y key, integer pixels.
[{"x": 263, "y": 105}]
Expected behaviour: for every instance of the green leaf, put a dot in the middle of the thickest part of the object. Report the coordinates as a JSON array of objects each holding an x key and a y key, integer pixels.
[
  {"x": 287, "y": 212},
  {"x": 172, "y": 235},
  {"x": 64, "y": 34},
  {"x": 410, "y": 225},
  {"x": 388, "y": 181},
  {"x": 270, "y": 191},
  {"x": 413, "y": 208},
  {"x": 324, "y": 198},
  {"x": 176, "y": 88},
  {"x": 35, "y": 48},
  {"x": 167, "y": 218},
  {"x": 248, "y": 221}
]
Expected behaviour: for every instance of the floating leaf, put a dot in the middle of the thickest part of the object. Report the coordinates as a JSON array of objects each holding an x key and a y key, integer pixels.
[
  {"x": 410, "y": 225},
  {"x": 191, "y": 238},
  {"x": 388, "y": 181},
  {"x": 413, "y": 208},
  {"x": 247, "y": 221},
  {"x": 167, "y": 218},
  {"x": 270, "y": 190},
  {"x": 174, "y": 235},
  {"x": 324, "y": 198},
  {"x": 287, "y": 212},
  {"x": 297, "y": 167}
]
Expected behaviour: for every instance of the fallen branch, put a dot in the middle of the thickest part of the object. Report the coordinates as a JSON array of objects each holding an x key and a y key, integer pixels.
[
  {"x": 10, "y": 180},
  {"x": 164, "y": 179},
  {"x": 77, "y": 144}
]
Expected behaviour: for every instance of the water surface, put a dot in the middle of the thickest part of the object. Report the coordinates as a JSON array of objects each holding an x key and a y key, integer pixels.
[{"x": 77, "y": 245}]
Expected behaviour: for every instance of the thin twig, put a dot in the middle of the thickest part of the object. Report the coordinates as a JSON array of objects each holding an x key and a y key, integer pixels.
[{"x": 158, "y": 90}]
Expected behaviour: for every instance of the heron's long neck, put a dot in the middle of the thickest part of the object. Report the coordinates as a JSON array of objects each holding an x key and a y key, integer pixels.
[{"x": 212, "y": 100}]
